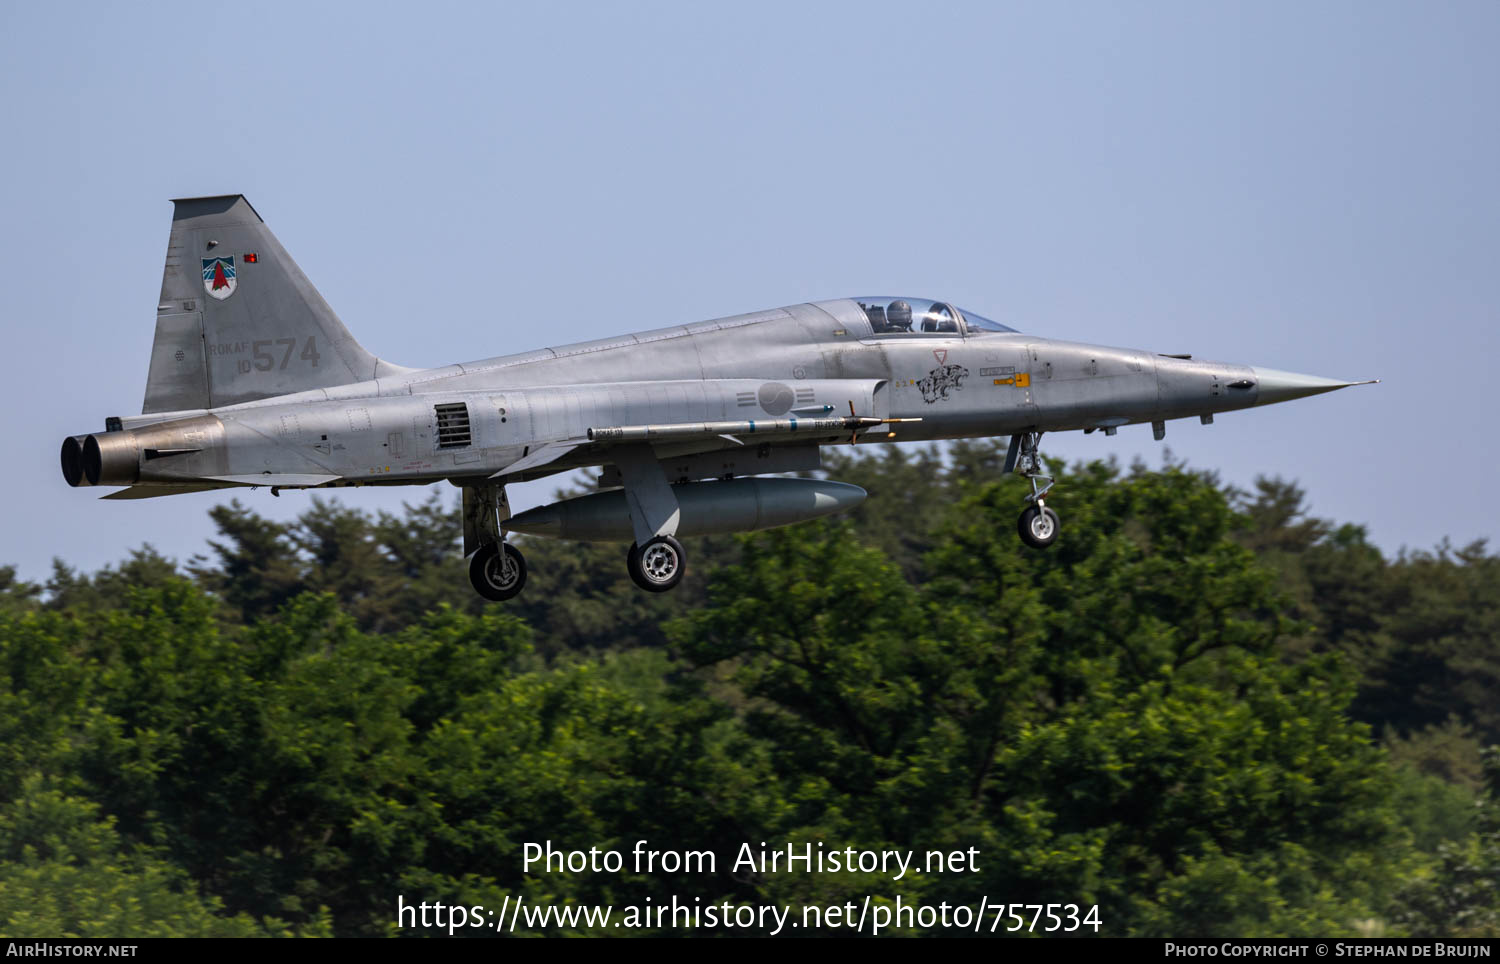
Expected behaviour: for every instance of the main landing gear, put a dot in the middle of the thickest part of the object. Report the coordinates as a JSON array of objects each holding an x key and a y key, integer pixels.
[
  {"x": 657, "y": 566},
  {"x": 498, "y": 571},
  {"x": 1038, "y": 525}
]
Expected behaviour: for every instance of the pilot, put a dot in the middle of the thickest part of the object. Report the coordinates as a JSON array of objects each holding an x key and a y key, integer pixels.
[
  {"x": 939, "y": 318},
  {"x": 898, "y": 316}
]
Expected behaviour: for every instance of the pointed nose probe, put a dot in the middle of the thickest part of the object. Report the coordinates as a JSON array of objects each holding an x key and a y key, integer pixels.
[{"x": 1277, "y": 386}]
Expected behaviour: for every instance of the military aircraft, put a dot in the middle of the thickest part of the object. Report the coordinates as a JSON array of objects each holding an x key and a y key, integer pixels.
[{"x": 254, "y": 381}]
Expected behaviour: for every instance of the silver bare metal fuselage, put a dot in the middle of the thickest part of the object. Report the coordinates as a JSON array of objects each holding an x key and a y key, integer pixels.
[
  {"x": 254, "y": 381},
  {"x": 794, "y": 364}
]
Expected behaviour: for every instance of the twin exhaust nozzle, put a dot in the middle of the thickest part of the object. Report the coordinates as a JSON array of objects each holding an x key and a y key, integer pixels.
[
  {"x": 107, "y": 459},
  {"x": 160, "y": 452}
]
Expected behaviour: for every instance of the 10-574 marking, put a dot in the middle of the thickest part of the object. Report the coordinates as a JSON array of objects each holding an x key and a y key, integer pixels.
[{"x": 263, "y": 359}]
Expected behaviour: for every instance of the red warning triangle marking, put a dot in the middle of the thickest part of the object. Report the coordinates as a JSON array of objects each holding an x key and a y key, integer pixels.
[{"x": 941, "y": 354}]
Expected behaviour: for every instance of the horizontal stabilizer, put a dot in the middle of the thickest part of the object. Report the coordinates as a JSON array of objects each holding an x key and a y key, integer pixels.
[
  {"x": 157, "y": 491},
  {"x": 284, "y": 479}
]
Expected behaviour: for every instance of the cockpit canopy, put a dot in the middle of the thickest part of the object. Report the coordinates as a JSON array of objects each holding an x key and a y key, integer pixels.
[{"x": 901, "y": 316}]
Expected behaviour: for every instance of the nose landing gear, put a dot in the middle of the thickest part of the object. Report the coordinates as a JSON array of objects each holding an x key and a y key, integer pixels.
[{"x": 1038, "y": 525}]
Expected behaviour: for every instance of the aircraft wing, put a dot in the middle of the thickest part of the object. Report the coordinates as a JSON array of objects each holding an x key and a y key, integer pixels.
[
  {"x": 742, "y": 430},
  {"x": 674, "y": 439},
  {"x": 544, "y": 455},
  {"x": 806, "y": 417}
]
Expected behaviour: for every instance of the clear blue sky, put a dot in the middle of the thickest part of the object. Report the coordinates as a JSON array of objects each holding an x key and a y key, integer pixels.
[{"x": 1303, "y": 186}]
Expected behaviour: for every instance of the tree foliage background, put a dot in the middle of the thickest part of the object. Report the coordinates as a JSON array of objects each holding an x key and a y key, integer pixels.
[{"x": 1202, "y": 710}]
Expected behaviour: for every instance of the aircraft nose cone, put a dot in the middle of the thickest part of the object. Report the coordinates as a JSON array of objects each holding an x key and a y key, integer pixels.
[{"x": 1276, "y": 386}]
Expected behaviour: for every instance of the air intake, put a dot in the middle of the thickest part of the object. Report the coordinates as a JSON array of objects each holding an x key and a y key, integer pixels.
[{"x": 453, "y": 425}]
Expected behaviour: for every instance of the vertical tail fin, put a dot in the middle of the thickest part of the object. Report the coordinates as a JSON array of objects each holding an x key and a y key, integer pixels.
[{"x": 238, "y": 320}]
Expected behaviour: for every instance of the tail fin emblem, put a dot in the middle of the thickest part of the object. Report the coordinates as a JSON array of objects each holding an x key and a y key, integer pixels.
[{"x": 218, "y": 277}]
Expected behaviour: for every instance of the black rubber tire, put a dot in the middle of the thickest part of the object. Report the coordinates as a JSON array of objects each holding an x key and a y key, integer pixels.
[
  {"x": 648, "y": 564},
  {"x": 1038, "y": 529},
  {"x": 496, "y": 577},
  {"x": 633, "y": 565}
]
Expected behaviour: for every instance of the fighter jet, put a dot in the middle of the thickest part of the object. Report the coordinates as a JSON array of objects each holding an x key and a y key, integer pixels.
[{"x": 254, "y": 381}]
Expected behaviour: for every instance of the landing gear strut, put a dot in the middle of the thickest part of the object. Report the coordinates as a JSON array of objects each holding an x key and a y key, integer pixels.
[
  {"x": 657, "y": 566},
  {"x": 497, "y": 570},
  {"x": 1038, "y": 525}
]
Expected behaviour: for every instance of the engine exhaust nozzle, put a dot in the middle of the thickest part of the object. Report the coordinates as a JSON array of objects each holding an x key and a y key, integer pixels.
[
  {"x": 111, "y": 459},
  {"x": 72, "y": 461}
]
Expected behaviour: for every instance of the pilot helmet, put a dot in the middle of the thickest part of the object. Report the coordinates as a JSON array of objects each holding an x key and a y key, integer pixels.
[{"x": 898, "y": 315}]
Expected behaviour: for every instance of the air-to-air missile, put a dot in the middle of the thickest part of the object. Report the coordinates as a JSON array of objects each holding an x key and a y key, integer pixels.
[{"x": 254, "y": 381}]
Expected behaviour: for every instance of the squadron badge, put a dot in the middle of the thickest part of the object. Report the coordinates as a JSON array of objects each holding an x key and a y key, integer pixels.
[
  {"x": 218, "y": 277},
  {"x": 940, "y": 381}
]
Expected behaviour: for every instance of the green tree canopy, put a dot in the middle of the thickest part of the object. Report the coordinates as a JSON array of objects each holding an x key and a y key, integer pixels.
[{"x": 1203, "y": 710}]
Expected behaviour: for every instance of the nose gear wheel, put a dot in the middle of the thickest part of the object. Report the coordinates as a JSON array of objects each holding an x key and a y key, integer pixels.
[{"x": 1038, "y": 525}]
